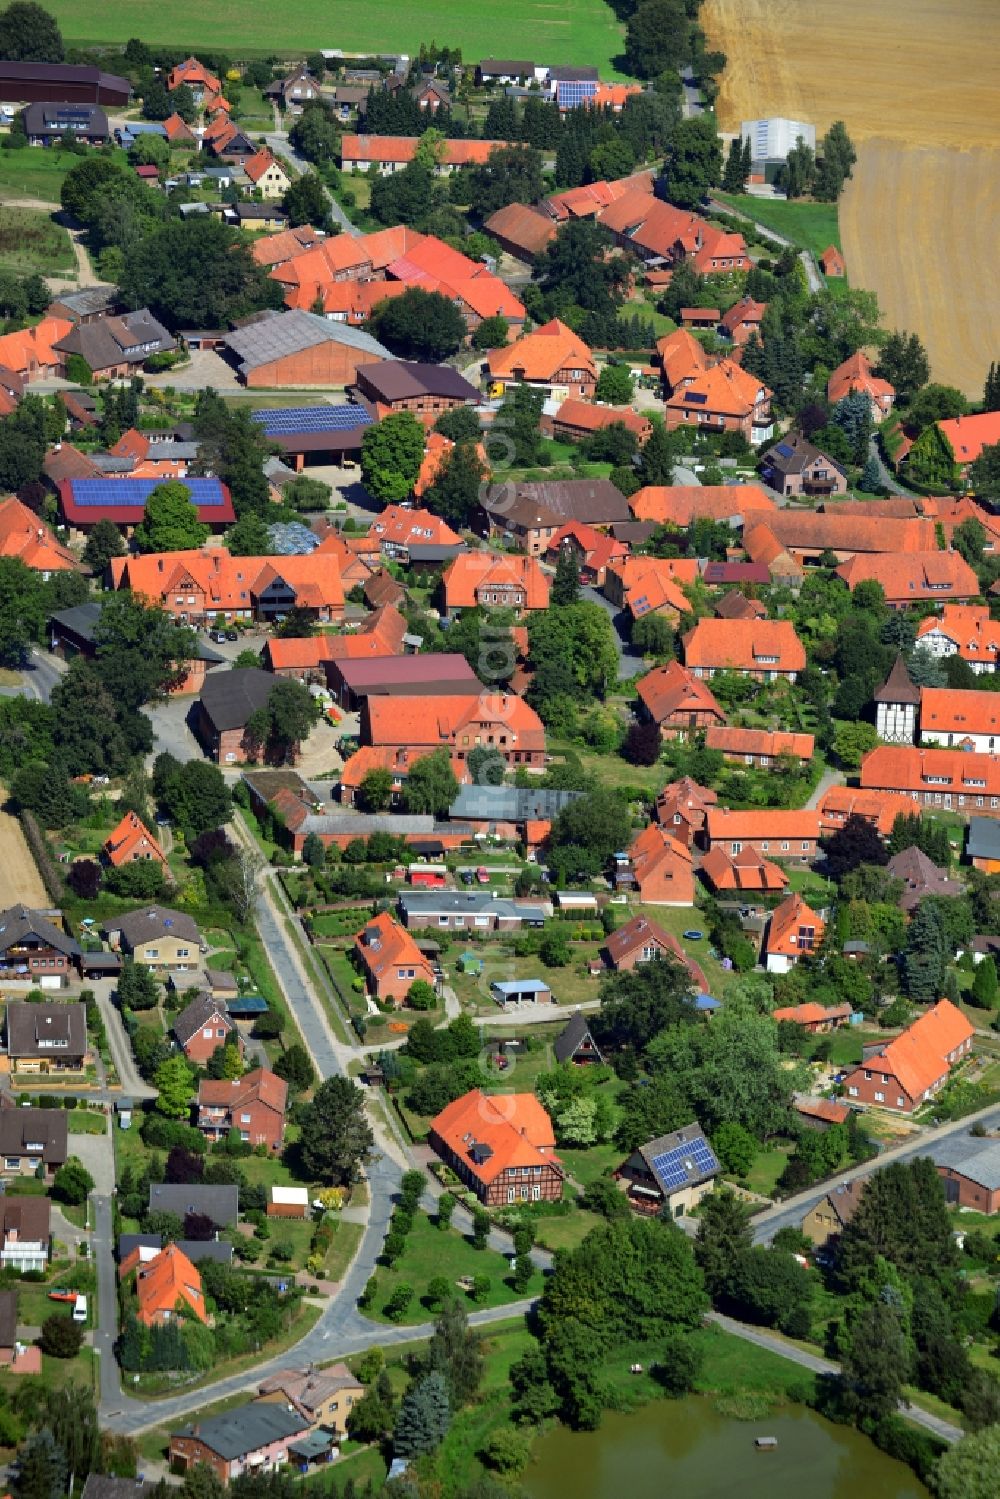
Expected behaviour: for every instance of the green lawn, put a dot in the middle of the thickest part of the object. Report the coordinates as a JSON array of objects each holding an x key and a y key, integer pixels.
[
  {"x": 575, "y": 31},
  {"x": 570, "y": 985},
  {"x": 431, "y": 1252},
  {"x": 763, "y": 1175},
  {"x": 31, "y": 241},
  {"x": 34, "y": 173},
  {"x": 812, "y": 226},
  {"x": 586, "y": 1166},
  {"x": 86, "y": 1122}
]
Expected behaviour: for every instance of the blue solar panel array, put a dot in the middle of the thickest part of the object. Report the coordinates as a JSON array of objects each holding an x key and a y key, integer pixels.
[
  {"x": 290, "y": 420},
  {"x": 572, "y": 93},
  {"x": 101, "y": 493},
  {"x": 678, "y": 1166}
]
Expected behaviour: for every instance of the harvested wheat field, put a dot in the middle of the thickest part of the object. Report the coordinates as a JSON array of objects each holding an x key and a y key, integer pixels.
[
  {"x": 916, "y": 85},
  {"x": 944, "y": 285},
  {"x": 20, "y": 882},
  {"x": 923, "y": 72}
]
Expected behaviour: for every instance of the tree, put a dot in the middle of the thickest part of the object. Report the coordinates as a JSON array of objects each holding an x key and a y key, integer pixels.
[
  {"x": 375, "y": 791},
  {"x": 871, "y": 475},
  {"x": 424, "y": 1417},
  {"x": 85, "y": 878},
  {"x": 836, "y": 159},
  {"x": 734, "y": 177},
  {"x": 575, "y": 269},
  {"x": 985, "y": 989},
  {"x": 735, "y": 1147},
  {"x": 419, "y": 324},
  {"x": 485, "y": 765},
  {"x": 724, "y": 1237},
  {"x": 657, "y": 38},
  {"x": 72, "y": 1183},
  {"x": 336, "y": 1138},
  {"x": 991, "y": 388},
  {"x": 455, "y": 1353},
  {"x": 506, "y": 1452},
  {"x": 983, "y": 476},
  {"x": 313, "y": 852},
  {"x": 392, "y": 452},
  {"x": 857, "y": 842},
  {"x": 797, "y": 174},
  {"x": 510, "y": 174},
  {"x": 170, "y": 521},
  {"x": 614, "y": 385},
  {"x": 295, "y": 1066},
  {"x": 306, "y": 202},
  {"x": 460, "y": 425},
  {"x": 771, "y": 1287},
  {"x": 174, "y": 1080},
  {"x": 642, "y": 743},
  {"x": 431, "y": 785},
  {"x": 198, "y": 797},
  {"x": 874, "y": 1364},
  {"x": 492, "y": 333},
  {"x": 196, "y": 273},
  {"x": 589, "y": 830},
  {"x": 137, "y": 988},
  {"x": 457, "y": 488},
  {"x": 936, "y": 403},
  {"x": 903, "y": 362},
  {"x": 969, "y": 1469},
  {"x": 653, "y": 635},
  {"x": 931, "y": 461},
  {"x": 566, "y": 583},
  {"x": 693, "y": 159},
  {"x": 41, "y": 1469},
  {"x": 28, "y": 33},
  {"x": 104, "y": 542},
  {"x": 924, "y": 959},
  {"x": 61, "y": 1337}
]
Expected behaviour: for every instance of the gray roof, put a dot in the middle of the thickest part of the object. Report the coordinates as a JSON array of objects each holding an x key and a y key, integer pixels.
[
  {"x": 33, "y": 1028},
  {"x": 570, "y": 1039},
  {"x": 21, "y": 1128},
  {"x": 105, "y": 1486},
  {"x": 82, "y": 619},
  {"x": 259, "y": 211},
  {"x": 8, "y": 1319},
  {"x": 983, "y": 841},
  {"x": 219, "y": 1250},
  {"x": 592, "y": 501},
  {"x": 230, "y": 697},
  {"x": 54, "y": 119},
  {"x": 89, "y": 300},
  {"x": 433, "y": 552},
  {"x": 221, "y": 1204},
  {"x": 978, "y": 1159},
  {"x": 276, "y": 334},
  {"x": 116, "y": 339},
  {"x": 359, "y": 824},
  {"x": 19, "y": 922},
  {"x": 196, "y": 1014},
  {"x": 510, "y": 803},
  {"x": 520, "y": 986},
  {"x": 185, "y": 452},
  {"x": 694, "y": 1175},
  {"x": 245, "y": 1429},
  {"x": 153, "y": 921},
  {"x": 476, "y": 902}
]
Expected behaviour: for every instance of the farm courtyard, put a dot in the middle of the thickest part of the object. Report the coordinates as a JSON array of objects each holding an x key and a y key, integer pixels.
[{"x": 918, "y": 94}]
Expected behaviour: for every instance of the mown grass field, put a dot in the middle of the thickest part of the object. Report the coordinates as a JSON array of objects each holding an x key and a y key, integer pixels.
[
  {"x": 565, "y": 31},
  {"x": 811, "y": 226}
]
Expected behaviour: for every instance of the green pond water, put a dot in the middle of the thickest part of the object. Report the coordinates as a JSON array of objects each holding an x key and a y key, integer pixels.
[{"x": 684, "y": 1448}]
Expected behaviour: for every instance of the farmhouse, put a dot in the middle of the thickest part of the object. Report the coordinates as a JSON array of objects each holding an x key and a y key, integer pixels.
[
  {"x": 85, "y": 501},
  {"x": 529, "y": 514},
  {"x": 658, "y": 867},
  {"x": 964, "y": 630},
  {"x": 968, "y": 435},
  {"x": 391, "y": 153},
  {"x": 425, "y": 389},
  {"x": 297, "y": 348},
  {"x": 114, "y": 348},
  {"x": 521, "y": 230},
  {"x": 766, "y": 649},
  {"x": 723, "y": 398},
  {"x": 677, "y": 701},
  {"x": 552, "y": 358},
  {"x": 679, "y": 504},
  {"x": 227, "y": 703},
  {"x": 683, "y": 806},
  {"x": 950, "y": 778},
  {"x": 879, "y": 808},
  {"x": 856, "y": 375},
  {"x": 480, "y": 579},
  {"x": 903, "y": 1073},
  {"x": 50, "y": 124},
  {"x": 502, "y": 1149},
  {"x": 644, "y": 941},
  {"x": 760, "y": 747},
  {"x": 747, "y": 870},
  {"x": 459, "y": 722},
  {"x": 669, "y": 1174},
  {"x": 964, "y": 720}
]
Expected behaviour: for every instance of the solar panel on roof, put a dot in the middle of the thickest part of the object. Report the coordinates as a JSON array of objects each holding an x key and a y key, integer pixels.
[
  {"x": 294, "y": 419},
  {"x": 696, "y": 397},
  {"x": 784, "y": 450},
  {"x": 677, "y": 1167},
  {"x": 97, "y": 493}
]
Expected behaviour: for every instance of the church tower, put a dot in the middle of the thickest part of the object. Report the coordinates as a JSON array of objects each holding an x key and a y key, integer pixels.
[{"x": 896, "y": 705}]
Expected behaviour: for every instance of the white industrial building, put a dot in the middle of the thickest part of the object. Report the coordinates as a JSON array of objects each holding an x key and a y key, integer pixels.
[{"x": 770, "y": 142}]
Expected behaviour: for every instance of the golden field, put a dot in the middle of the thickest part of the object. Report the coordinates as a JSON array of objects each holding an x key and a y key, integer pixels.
[{"x": 916, "y": 85}]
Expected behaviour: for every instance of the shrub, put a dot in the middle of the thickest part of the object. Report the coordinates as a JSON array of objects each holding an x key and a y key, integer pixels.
[{"x": 61, "y": 1337}]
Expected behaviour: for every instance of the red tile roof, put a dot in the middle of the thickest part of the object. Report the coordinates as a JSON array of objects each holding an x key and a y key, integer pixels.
[
  {"x": 878, "y": 807},
  {"x": 771, "y": 742},
  {"x": 855, "y": 374},
  {"x": 258, "y": 1086},
  {"x": 773, "y": 825},
  {"x": 947, "y": 710},
  {"x": 968, "y": 435},
  {"x": 400, "y": 526},
  {"x": 34, "y": 348},
  {"x": 918, "y": 1058},
  {"x": 680, "y": 504},
  {"x": 825, "y": 1109},
  {"x": 24, "y": 536},
  {"x": 256, "y": 166},
  {"x": 515, "y": 1126},
  {"x": 166, "y": 1281},
  {"x": 440, "y": 720},
  {"x": 794, "y": 928},
  {"x": 746, "y": 310},
  {"x": 475, "y": 572},
  {"x": 913, "y": 575},
  {"x": 586, "y": 417},
  {"x": 382, "y": 945},
  {"x": 760, "y": 645},
  {"x": 362, "y": 150},
  {"x": 812, "y": 1013},
  {"x": 230, "y": 582},
  {"x": 969, "y": 628},
  {"x": 952, "y": 772},
  {"x": 541, "y": 354},
  {"x": 132, "y": 839},
  {"x": 746, "y": 870},
  {"x": 671, "y": 691},
  {"x": 395, "y": 758}
]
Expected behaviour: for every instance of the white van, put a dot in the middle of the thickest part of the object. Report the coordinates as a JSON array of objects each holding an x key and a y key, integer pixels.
[{"x": 80, "y": 1309}]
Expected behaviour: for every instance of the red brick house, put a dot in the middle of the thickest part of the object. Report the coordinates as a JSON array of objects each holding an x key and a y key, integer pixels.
[
  {"x": 789, "y": 835},
  {"x": 502, "y": 1147},
  {"x": 747, "y": 870},
  {"x": 391, "y": 960},
  {"x": 972, "y": 1182},
  {"x": 459, "y": 723},
  {"x": 904, "y": 1073},
  {"x": 202, "y": 1027},
  {"x": 723, "y": 398},
  {"x": 954, "y": 779},
  {"x": 644, "y": 941},
  {"x": 765, "y": 649},
  {"x": 856, "y": 374},
  {"x": 683, "y": 807},
  {"x": 659, "y": 867},
  {"x": 253, "y": 1104},
  {"x": 677, "y": 701},
  {"x": 832, "y": 263},
  {"x": 552, "y": 358},
  {"x": 793, "y": 932}
]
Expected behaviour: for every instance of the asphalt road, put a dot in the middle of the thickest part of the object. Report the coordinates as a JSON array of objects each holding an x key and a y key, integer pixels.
[
  {"x": 629, "y": 662},
  {"x": 791, "y": 1212},
  {"x": 281, "y": 146},
  {"x": 118, "y": 1042},
  {"x": 42, "y": 674}
]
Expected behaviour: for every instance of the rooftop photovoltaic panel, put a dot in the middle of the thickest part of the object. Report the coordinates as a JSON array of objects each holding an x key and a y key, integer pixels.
[
  {"x": 113, "y": 492},
  {"x": 284, "y": 422},
  {"x": 678, "y": 1166}
]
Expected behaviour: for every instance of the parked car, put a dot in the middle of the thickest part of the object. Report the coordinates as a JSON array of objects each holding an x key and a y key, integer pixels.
[
  {"x": 232, "y": 634},
  {"x": 467, "y": 877},
  {"x": 218, "y": 636}
]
